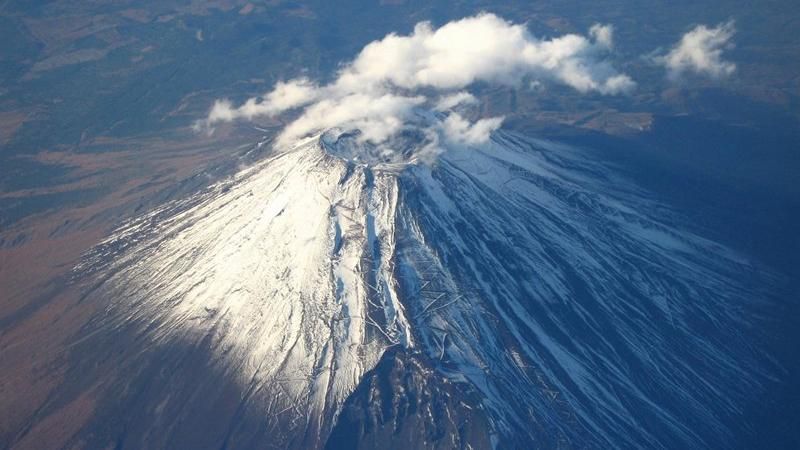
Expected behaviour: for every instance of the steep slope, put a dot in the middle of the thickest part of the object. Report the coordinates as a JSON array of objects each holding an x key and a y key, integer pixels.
[{"x": 575, "y": 309}]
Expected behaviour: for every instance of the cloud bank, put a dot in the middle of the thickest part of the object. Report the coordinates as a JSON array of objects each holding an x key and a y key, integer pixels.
[
  {"x": 392, "y": 82},
  {"x": 700, "y": 52}
]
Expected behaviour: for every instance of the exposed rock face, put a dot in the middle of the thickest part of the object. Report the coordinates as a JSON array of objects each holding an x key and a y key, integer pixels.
[{"x": 404, "y": 403}]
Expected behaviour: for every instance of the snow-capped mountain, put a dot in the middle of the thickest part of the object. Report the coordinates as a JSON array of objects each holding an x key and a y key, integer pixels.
[{"x": 516, "y": 294}]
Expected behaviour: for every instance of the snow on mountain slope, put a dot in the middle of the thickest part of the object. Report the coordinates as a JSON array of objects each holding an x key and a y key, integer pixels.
[
  {"x": 579, "y": 314},
  {"x": 279, "y": 268},
  {"x": 571, "y": 303}
]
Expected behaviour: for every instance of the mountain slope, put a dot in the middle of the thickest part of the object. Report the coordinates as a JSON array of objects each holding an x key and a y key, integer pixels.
[{"x": 554, "y": 296}]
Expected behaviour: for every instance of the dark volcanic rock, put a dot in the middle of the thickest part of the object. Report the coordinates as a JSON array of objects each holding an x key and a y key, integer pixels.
[{"x": 403, "y": 403}]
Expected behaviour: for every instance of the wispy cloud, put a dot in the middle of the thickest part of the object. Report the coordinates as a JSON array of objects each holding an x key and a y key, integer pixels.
[
  {"x": 602, "y": 34},
  {"x": 700, "y": 52},
  {"x": 383, "y": 89},
  {"x": 448, "y": 102}
]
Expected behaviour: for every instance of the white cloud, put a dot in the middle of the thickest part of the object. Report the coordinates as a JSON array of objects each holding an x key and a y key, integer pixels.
[
  {"x": 378, "y": 117},
  {"x": 457, "y": 129},
  {"x": 700, "y": 51},
  {"x": 451, "y": 101},
  {"x": 391, "y": 79},
  {"x": 285, "y": 96},
  {"x": 602, "y": 34},
  {"x": 481, "y": 48}
]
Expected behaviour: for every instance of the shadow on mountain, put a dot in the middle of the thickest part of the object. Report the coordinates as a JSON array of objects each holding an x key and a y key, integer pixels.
[
  {"x": 175, "y": 395},
  {"x": 154, "y": 395}
]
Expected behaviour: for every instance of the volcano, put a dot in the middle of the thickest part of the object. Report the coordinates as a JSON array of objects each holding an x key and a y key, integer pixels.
[{"x": 516, "y": 294}]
